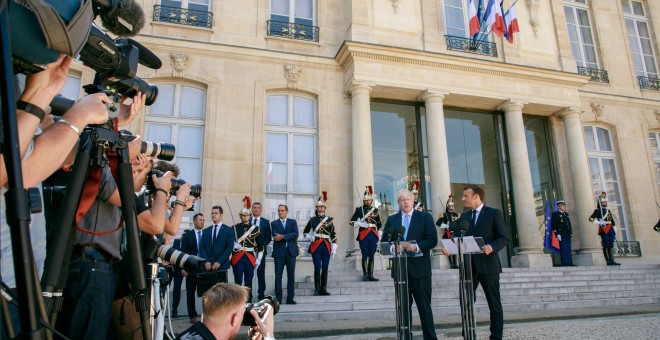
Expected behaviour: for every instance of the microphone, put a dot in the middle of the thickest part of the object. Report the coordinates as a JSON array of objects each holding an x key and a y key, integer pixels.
[
  {"x": 396, "y": 232},
  {"x": 124, "y": 18},
  {"x": 458, "y": 226},
  {"x": 145, "y": 56}
]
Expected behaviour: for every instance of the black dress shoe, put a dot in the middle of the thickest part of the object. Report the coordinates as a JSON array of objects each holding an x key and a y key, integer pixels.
[
  {"x": 291, "y": 302},
  {"x": 174, "y": 315}
]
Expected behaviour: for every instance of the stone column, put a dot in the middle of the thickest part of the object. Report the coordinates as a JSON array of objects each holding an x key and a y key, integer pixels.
[
  {"x": 363, "y": 158},
  {"x": 530, "y": 252},
  {"x": 438, "y": 170},
  {"x": 590, "y": 248}
]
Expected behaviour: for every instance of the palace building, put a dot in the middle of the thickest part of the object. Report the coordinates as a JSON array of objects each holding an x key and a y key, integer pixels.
[{"x": 282, "y": 99}]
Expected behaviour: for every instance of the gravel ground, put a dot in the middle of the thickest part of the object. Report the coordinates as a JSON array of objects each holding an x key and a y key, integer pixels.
[{"x": 627, "y": 327}]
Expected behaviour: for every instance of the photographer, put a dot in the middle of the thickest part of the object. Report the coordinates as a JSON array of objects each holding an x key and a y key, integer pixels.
[
  {"x": 223, "y": 310},
  {"x": 182, "y": 200}
]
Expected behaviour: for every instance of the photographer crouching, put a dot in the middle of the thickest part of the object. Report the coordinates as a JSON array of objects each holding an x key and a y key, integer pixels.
[{"x": 225, "y": 310}]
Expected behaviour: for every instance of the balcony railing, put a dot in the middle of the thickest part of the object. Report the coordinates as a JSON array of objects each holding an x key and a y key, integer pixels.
[
  {"x": 598, "y": 76},
  {"x": 627, "y": 248},
  {"x": 293, "y": 31},
  {"x": 649, "y": 83},
  {"x": 183, "y": 16},
  {"x": 471, "y": 46}
]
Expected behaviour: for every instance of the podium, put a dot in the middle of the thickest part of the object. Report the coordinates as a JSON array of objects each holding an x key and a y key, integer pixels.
[
  {"x": 465, "y": 247},
  {"x": 400, "y": 276}
]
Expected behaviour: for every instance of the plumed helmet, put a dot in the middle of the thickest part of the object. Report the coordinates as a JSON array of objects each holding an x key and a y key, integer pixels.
[
  {"x": 322, "y": 199},
  {"x": 368, "y": 193},
  {"x": 247, "y": 204},
  {"x": 415, "y": 188},
  {"x": 450, "y": 201}
]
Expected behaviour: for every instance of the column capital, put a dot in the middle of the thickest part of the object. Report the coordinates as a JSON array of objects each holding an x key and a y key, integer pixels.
[
  {"x": 433, "y": 95},
  {"x": 569, "y": 112},
  {"x": 511, "y": 105},
  {"x": 359, "y": 88}
]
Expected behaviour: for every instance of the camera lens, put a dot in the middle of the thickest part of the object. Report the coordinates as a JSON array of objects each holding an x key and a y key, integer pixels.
[
  {"x": 260, "y": 307},
  {"x": 196, "y": 190},
  {"x": 176, "y": 184},
  {"x": 164, "y": 151}
]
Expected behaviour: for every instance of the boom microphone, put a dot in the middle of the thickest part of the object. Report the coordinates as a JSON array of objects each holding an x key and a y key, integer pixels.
[{"x": 123, "y": 18}]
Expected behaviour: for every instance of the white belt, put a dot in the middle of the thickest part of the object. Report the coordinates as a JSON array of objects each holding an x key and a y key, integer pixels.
[
  {"x": 246, "y": 249},
  {"x": 371, "y": 225},
  {"x": 322, "y": 236}
]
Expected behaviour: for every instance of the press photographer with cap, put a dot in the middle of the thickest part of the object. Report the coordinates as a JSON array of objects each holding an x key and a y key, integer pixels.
[{"x": 223, "y": 310}]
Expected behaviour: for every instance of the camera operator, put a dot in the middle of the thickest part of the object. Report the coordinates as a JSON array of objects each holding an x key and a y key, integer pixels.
[
  {"x": 57, "y": 140},
  {"x": 182, "y": 201},
  {"x": 223, "y": 310}
]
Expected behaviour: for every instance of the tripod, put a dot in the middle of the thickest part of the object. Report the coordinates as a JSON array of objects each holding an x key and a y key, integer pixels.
[{"x": 94, "y": 144}]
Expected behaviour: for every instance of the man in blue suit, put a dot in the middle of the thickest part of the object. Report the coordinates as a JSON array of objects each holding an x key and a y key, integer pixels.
[
  {"x": 418, "y": 227},
  {"x": 217, "y": 242},
  {"x": 285, "y": 250},
  {"x": 264, "y": 225},
  {"x": 191, "y": 243},
  {"x": 177, "y": 280}
]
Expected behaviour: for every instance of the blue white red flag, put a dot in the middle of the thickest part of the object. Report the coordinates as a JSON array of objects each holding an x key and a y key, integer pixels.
[
  {"x": 494, "y": 18},
  {"x": 475, "y": 26},
  {"x": 511, "y": 22}
]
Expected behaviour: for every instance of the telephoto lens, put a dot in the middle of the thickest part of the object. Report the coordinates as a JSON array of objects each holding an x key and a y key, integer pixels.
[
  {"x": 164, "y": 151},
  {"x": 260, "y": 307},
  {"x": 190, "y": 263},
  {"x": 196, "y": 190}
]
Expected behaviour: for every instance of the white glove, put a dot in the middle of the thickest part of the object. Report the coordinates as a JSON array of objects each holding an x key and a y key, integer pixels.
[
  {"x": 596, "y": 221},
  {"x": 361, "y": 224},
  {"x": 260, "y": 255},
  {"x": 603, "y": 223},
  {"x": 257, "y": 263},
  {"x": 614, "y": 229},
  {"x": 559, "y": 237},
  {"x": 310, "y": 237},
  {"x": 334, "y": 250},
  {"x": 380, "y": 234},
  {"x": 444, "y": 226},
  {"x": 237, "y": 245}
]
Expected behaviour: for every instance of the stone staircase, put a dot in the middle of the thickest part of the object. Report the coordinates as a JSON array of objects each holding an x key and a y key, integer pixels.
[{"x": 522, "y": 290}]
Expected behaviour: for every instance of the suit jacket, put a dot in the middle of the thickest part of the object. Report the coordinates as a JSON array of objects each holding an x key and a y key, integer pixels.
[
  {"x": 264, "y": 226},
  {"x": 176, "y": 244},
  {"x": 189, "y": 242},
  {"x": 219, "y": 250},
  {"x": 290, "y": 232},
  {"x": 490, "y": 226},
  {"x": 422, "y": 230}
]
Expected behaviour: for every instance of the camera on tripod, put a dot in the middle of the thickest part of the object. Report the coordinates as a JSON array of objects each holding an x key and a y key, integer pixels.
[
  {"x": 260, "y": 307},
  {"x": 195, "y": 189},
  {"x": 154, "y": 247}
]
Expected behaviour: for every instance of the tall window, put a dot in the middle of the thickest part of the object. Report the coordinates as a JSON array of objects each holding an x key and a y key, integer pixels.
[
  {"x": 196, "y": 5},
  {"x": 291, "y": 168},
  {"x": 604, "y": 173},
  {"x": 639, "y": 36},
  {"x": 654, "y": 138},
  {"x": 580, "y": 33},
  {"x": 456, "y": 18},
  {"x": 293, "y": 11},
  {"x": 185, "y": 12},
  {"x": 177, "y": 117}
]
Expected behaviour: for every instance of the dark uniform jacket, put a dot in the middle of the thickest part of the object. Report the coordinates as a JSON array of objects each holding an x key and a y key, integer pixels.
[
  {"x": 254, "y": 240},
  {"x": 374, "y": 218},
  {"x": 325, "y": 235},
  {"x": 446, "y": 218},
  {"x": 561, "y": 224},
  {"x": 608, "y": 218}
]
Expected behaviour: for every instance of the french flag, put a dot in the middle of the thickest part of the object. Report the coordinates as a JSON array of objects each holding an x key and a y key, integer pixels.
[
  {"x": 474, "y": 19},
  {"x": 494, "y": 18},
  {"x": 511, "y": 20}
]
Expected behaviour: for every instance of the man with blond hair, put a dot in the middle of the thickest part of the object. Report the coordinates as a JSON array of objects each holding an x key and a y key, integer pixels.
[{"x": 223, "y": 307}]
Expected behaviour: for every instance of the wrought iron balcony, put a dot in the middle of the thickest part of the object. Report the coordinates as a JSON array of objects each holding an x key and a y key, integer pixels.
[
  {"x": 649, "y": 83},
  {"x": 293, "y": 31},
  {"x": 599, "y": 76},
  {"x": 471, "y": 46},
  {"x": 627, "y": 248},
  {"x": 183, "y": 16}
]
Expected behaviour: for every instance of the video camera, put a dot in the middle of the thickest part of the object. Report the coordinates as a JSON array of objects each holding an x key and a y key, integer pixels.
[{"x": 195, "y": 189}]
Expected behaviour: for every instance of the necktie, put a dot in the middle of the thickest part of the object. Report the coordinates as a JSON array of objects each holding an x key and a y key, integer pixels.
[
  {"x": 214, "y": 235},
  {"x": 474, "y": 217},
  {"x": 199, "y": 240},
  {"x": 406, "y": 224}
]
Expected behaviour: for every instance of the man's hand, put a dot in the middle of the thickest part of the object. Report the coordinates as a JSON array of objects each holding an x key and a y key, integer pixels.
[
  {"x": 215, "y": 266},
  {"x": 487, "y": 249},
  {"x": 265, "y": 327},
  {"x": 334, "y": 250},
  {"x": 90, "y": 109},
  {"x": 127, "y": 113},
  {"x": 42, "y": 87},
  {"x": 445, "y": 252},
  {"x": 559, "y": 238},
  {"x": 278, "y": 237},
  {"x": 183, "y": 192},
  {"x": 184, "y": 273},
  {"x": 164, "y": 182},
  {"x": 207, "y": 266}
]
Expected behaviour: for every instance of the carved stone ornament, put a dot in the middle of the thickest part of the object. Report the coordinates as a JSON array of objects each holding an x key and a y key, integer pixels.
[
  {"x": 597, "y": 109},
  {"x": 395, "y": 5},
  {"x": 292, "y": 74},
  {"x": 533, "y": 7},
  {"x": 179, "y": 62},
  {"x": 657, "y": 115}
]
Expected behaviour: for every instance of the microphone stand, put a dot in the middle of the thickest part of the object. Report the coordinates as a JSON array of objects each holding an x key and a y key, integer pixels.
[
  {"x": 466, "y": 292},
  {"x": 402, "y": 298}
]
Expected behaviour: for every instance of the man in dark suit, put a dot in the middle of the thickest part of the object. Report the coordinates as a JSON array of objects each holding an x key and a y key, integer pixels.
[
  {"x": 487, "y": 223},
  {"x": 217, "y": 242},
  {"x": 264, "y": 225},
  {"x": 285, "y": 250},
  {"x": 177, "y": 279},
  {"x": 191, "y": 242},
  {"x": 418, "y": 227}
]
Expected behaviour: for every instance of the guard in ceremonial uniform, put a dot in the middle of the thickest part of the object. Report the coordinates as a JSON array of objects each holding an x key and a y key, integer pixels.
[
  {"x": 321, "y": 233},
  {"x": 417, "y": 205},
  {"x": 367, "y": 219},
  {"x": 450, "y": 215},
  {"x": 248, "y": 248},
  {"x": 561, "y": 226},
  {"x": 603, "y": 218}
]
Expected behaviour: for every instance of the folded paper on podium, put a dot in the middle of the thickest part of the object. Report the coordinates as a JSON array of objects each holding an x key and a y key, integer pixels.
[
  {"x": 471, "y": 245},
  {"x": 387, "y": 249}
]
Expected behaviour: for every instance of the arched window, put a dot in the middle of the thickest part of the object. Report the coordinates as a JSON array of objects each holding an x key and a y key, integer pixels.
[
  {"x": 291, "y": 161},
  {"x": 605, "y": 174}
]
